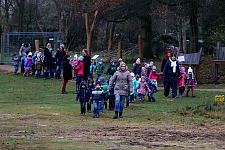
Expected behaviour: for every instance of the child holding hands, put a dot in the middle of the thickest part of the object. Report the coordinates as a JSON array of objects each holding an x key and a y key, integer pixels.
[{"x": 142, "y": 89}]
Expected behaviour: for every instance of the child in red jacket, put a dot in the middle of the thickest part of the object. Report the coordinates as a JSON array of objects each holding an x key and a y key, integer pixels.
[
  {"x": 80, "y": 72},
  {"x": 181, "y": 83},
  {"x": 153, "y": 74}
]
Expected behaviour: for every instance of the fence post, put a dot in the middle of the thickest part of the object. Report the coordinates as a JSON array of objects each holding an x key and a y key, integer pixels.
[
  {"x": 119, "y": 50},
  {"x": 140, "y": 46},
  {"x": 37, "y": 45}
]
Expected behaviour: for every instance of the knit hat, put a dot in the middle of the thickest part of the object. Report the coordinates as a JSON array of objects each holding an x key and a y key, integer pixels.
[
  {"x": 81, "y": 58},
  {"x": 182, "y": 69},
  {"x": 142, "y": 77},
  {"x": 138, "y": 61},
  {"x": 111, "y": 62},
  {"x": 132, "y": 74},
  {"x": 137, "y": 76},
  {"x": 62, "y": 45},
  {"x": 169, "y": 51},
  {"x": 40, "y": 53},
  {"x": 101, "y": 60},
  {"x": 151, "y": 63},
  {"x": 120, "y": 59},
  {"x": 190, "y": 70},
  {"x": 75, "y": 56},
  {"x": 83, "y": 83},
  {"x": 90, "y": 81},
  {"x": 154, "y": 68},
  {"x": 30, "y": 54},
  {"x": 97, "y": 82},
  {"x": 14, "y": 54},
  {"x": 102, "y": 79}
]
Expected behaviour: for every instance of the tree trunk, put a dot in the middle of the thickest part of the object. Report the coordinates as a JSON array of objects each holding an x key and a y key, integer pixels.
[
  {"x": 146, "y": 28},
  {"x": 179, "y": 33},
  {"x": 184, "y": 35},
  {"x": 194, "y": 26}
]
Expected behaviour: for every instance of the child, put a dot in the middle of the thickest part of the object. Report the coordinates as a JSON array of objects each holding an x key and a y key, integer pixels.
[
  {"x": 111, "y": 69},
  {"x": 74, "y": 64},
  {"x": 153, "y": 74},
  {"x": 181, "y": 83},
  {"x": 16, "y": 63},
  {"x": 80, "y": 72},
  {"x": 67, "y": 72},
  {"x": 84, "y": 95},
  {"x": 23, "y": 60},
  {"x": 104, "y": 86},
  {"x": 100, "y": 69},
  {"x": 132, "y": 95},
  {"x": 38, "y": 66},
  {"x": 138, "y": 81},
  {"x": 190, "y": 81},
  {"x": 142, "y": 89},
  {"x": 112, "y": 97},
  {"x": 149, "y": 68},
  {"x": 28, "y": 65},
  {"x": 144, "y": 70},
  {"x": 92, "y": 68},
  {"x": 90, "y": 89},
  {"x": 97, "y": 96},
  {"x": 153, "y": 87}
]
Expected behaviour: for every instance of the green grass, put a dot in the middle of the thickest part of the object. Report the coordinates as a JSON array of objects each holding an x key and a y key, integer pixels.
[{"x": 32, "y": 107}]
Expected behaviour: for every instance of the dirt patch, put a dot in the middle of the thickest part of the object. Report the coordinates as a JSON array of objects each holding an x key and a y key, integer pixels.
[
  {"x": 8, "y": 68},
  {"x": 129, "y": 136}
]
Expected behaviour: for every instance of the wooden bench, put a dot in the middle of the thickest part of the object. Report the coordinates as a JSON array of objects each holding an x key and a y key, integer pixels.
[
  {"x": 192, "y": 60},
  {"x": 220, "y": 59}
]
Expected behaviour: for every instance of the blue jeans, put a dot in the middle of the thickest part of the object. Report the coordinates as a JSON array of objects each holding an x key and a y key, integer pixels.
[
  {"x": 150, "y": 95},
  {"x": 38, "y": 73},
  {"x": 119, "y": 102},
  {"x": 82, "y": 106},
  {"x": 140, "y": 96},
  {"x": 16, "y": 68},
  {"x": 58, "y": 70},
  {"x": 97, "y": 107},
  {"x": 102, "y": 105}
]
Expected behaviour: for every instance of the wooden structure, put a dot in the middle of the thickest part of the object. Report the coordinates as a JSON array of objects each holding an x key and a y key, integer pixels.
[
  {"x": 220, "y": 59},
  {"x": 192, "y": 60},
  {"x": 119, "y": 50},
  {"x": 37, "y": 45}
]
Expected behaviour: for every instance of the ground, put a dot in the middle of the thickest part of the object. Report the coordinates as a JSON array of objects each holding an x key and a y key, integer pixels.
[{"x": 26, "y": 123}]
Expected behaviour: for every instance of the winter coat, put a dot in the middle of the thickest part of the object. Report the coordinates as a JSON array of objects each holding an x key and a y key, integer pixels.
[
  {"x": 92, "y": 68},
  {"x": 98, "y": 94},
  {"x": 154, "y": 76},
  {"x": 123, "y": 80},
  {"x": 38, "y": 64},
  {"x": 87, "y": 64},
  {"x": 148, "y": 70},
  {"x": 100, "y": 69},
  {"x": 24, "y": 59},
  {"x": 168, "y": 72},
  {"x": 137, "y": 69},
  {"x": 111, "y": 70},
  {"x": 134, "y": 81},
  {"x": 105, "y": 88},
  {"x": 29, "y": 62},
  {"x": 189, "y": 81},
  {"x": 181, "y": 80},
  {"x": 142, "y": 88},
  {"x": 59, "y": 56},
  {"x": 144, "y": 71},
  {"x": 24, "y": 49},
  {"x": 67, "y": 72},
  {"x": 84, "y": 95},
  {"x": 48, "y": 57},
  {"x": 16, "y": 61},
  {"x": 151, "y": 84},
  {"x": 80, "y": 69}
]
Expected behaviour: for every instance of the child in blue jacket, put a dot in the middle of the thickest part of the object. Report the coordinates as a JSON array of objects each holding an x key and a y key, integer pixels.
[
  {"x": 84, "y": 96},
  {"x": 90, "y": 89},
  {"x": 153, "y": 87}
]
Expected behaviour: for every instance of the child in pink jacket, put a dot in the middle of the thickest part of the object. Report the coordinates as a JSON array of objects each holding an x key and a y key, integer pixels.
[
  {"x": 153, "y": 74},
  {"x": 181, "y": 83},
  {"x": 143, "y": 87},
  {"x": 75, "y": 63}
]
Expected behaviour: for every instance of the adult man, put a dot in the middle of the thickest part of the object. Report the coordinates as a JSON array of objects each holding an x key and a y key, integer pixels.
[{"x": 87, "y": 64}]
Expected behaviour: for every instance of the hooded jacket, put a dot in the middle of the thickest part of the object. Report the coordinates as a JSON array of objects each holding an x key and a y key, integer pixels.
[
  {"x": 143, "y": 87},
  {"x": 80, "y": 69},
  {"x": 124, "y": 85}
]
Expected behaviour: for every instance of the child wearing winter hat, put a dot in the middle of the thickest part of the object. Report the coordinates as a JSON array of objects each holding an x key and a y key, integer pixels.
[
  {"x": 100, "y": 69},
  {"x": 143, "y": 87},
  {"x": 90, "y": 89},
  {"x": 28, "y": 65},
  {"x": 149, "y": 68},
  {"x": 111, "y": 69},
  {"x": 132, "y": 95},
  {"x": 190, "y": 81},
  {"x": 38, "y": 66},
  {"x": 153, "y": 74},
  {"x": 84, "y": 95},
  {"x": 144, "y": 70},
  {"x": 74, "y": 64},
  {"x": 104, "y": 86},
  {"x": 138, "y": 79},
  {"x": 16, "y": 63},
  {"x": 80, "y": 72},
  {"x": 181, "y": 83},
  {"x": 92, "y": 68}
]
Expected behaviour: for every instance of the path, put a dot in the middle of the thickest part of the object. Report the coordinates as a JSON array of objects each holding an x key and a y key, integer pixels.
[{"x": 10, "y": 68}]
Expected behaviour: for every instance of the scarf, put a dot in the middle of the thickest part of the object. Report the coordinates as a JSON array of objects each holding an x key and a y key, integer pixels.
[{"x": 174, "y": 65}]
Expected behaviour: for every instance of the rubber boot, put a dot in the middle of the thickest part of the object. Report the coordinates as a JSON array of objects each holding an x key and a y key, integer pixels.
[
  {"x": 116, "y": 115},
  {"x": 120, "y": 114}
]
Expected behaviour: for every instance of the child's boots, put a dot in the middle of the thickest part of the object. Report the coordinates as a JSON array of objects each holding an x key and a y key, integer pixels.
[
  {"x": 120, "y": 114},
  {"x": 116, "y": 115}
]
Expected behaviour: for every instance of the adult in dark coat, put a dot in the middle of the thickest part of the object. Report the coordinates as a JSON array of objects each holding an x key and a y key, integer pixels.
[
  {"x": 167, "y": 56},
  {"x": 137, "y": 67},
  {"x": 67, "y": 72},
  {"x": 87, "y": 64},
  {"x": 59, "y": 58},
  {"x": 47, "y": 60},
  {"x": 171, "y": 72}
]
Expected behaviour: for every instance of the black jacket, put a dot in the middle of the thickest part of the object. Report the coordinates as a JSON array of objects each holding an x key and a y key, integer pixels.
[
  {"x": 170, "y": 76},
  {"x": 149, "y": 70},
  {"x": 98, "y": 94},
  {"x": 87, "y": 64},
  {"x": 111, "y": 70},
  {"x": 59, "y": 56},
  {"x": 84, "y": 95},
  {"x": 163, "y": 64},
  {"x": 48, "y": 57},
  {"x": 137, "y": 69},
  {"x": 67, "y": 70}
]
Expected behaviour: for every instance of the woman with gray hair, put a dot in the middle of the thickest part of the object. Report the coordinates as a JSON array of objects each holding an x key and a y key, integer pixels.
[{"x": 123, "y": 88}]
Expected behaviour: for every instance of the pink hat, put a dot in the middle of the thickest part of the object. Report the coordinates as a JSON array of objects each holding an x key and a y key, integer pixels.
[{"x": 182, "y": 69}]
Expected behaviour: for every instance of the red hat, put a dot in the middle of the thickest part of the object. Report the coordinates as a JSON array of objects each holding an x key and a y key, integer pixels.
[{"x": 169, "y": 51}]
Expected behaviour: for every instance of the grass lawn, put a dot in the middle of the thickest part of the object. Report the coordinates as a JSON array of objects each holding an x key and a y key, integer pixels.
[{"x": 35, "y": 115}]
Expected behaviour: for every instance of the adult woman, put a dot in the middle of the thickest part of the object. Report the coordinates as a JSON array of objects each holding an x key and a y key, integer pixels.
[
  {"x": 59, "y": 58},
  {"x": 123, "y": 87},
  {"x": 67, "y": 72},
  {"x": 47, "y": 60},
  {"x": 171, "y": 72}
]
